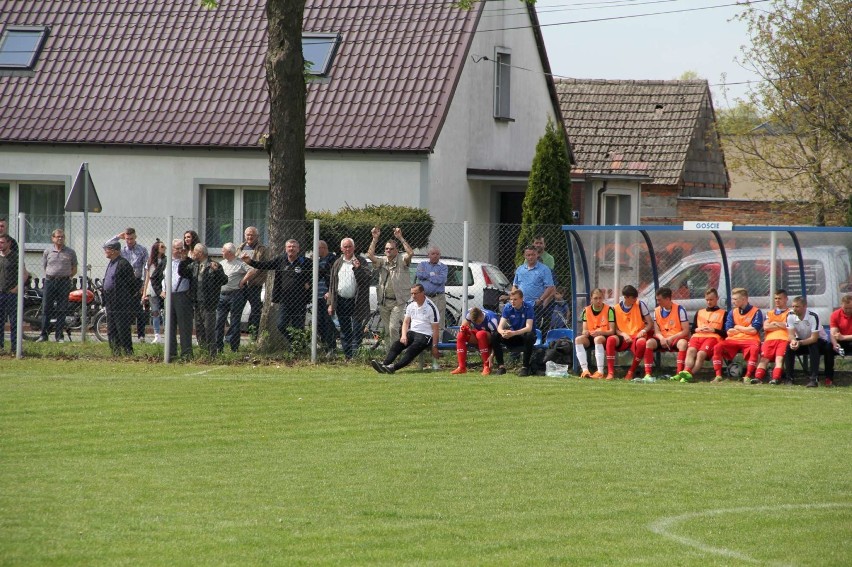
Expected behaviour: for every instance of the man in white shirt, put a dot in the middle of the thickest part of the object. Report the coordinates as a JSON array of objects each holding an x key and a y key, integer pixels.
[
  {"x": 807, "y": 336},
  {"x": 419, "y": 330},
  {"x": 349, "y": 296},
  {"x": 232, "y": 300}
]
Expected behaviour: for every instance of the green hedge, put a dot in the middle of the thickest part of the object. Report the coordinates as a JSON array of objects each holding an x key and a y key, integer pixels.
[{"x": 356, "y": 223}]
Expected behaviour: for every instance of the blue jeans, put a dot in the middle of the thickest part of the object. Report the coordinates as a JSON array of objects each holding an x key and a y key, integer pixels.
[
  {"x": 325, "y": 325},
  {"x": 55, "y": 290},
  {"x": 230, "y": 304},
  {"x": 9, "y": 310},
  {"x": 351, "y": 328}
]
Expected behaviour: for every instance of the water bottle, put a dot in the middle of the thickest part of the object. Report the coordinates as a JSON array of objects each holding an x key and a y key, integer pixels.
[{"x": 840, "y": 351}]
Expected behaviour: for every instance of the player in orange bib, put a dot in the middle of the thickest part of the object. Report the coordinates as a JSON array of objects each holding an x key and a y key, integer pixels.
[
  {"x": 598, "y": 324},
  {"x": 671, "y": 332},
  {"x": 742, "y": 326},
  {"x": 633, "y": 325},
  {"x": 707, "y": 330},
  {"x": 776, "y": 338}
]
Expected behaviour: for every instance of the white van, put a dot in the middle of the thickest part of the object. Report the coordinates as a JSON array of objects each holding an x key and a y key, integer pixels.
[{"x": 827, "y": 273}]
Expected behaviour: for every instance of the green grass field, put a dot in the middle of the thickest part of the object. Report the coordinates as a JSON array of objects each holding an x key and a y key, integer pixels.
[{"x": 131, "y": 463}]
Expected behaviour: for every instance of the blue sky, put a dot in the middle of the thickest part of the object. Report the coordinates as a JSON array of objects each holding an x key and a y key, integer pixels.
[{"x": 654, "y": 47}]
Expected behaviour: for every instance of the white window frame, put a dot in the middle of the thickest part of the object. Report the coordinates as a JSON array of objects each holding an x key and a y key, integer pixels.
[
  {"x": 15, "y": 182},
  {"x": 503, "y": 84},
  {"x": 238, "y": 188},
  {"x": 321, "y": 68}
]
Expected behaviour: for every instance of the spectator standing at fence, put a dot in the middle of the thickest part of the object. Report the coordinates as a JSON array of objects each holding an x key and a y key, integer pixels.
[
  {"x": 190, "y": 239},
  {"x": 349, "y": 296},
  {"x": 432, "y": 275},
  {"x": 209, "y": 278},
  {"x": 598, "y": 324},
  {"x": 59, "y": 265},
  {"x": 671, "y": 332},
  {"x": 4, "y": 230},
  {"x": 325, "y": 324},
  {"x": 182, "y": 302},
  {"x": 536, "y": 281},
  {"x": 291, "y": 289},
  {"x": 708, "y": 329},
  {"x": 153, "y": 286},
  {"x": 137, "y": 255},
  {"x": 516, "y": 329},
  {"x": 807, "y": 337},
  {"x": 231, "y": 299},
  {"x": 543, "y": 255},
  {"x": 776, "y": 339},
  {"x": 633, "y": 326},
  {"x": 476, "y": 329},
  {"x": 121, "y": 298},
  {"x": 742, "y": 328},
  {"x": 394, "y": 281},
  {"x": 254, "y": 285},
  {"x": 8, "y": 290},
  {"x": 419, "y": 331}
]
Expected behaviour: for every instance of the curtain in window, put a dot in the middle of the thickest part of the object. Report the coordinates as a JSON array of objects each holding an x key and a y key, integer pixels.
[
  {"x": 255, "y": 211},
  {"x": 44, "y": 206},
  {"x": 219, "y": 213}
]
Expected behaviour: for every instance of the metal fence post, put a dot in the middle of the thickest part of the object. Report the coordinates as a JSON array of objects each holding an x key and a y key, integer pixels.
[{"x": 167, "y": 341}]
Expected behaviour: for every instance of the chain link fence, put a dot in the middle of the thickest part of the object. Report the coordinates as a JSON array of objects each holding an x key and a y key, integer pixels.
[{"x": 173, "y": 300}]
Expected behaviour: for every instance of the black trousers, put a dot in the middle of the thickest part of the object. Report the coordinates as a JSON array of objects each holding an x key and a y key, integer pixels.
[
  {"x": 812, "y": 351},
  {"x": 118, "y": 330},
  {"x": 527, "y": 340},
  {"x": 417, "y": 343}
]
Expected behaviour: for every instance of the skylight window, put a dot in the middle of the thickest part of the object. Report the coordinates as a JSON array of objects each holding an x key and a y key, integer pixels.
[
  {"x": 20, "y": 47},
  {"x": 319, "y": 50}
]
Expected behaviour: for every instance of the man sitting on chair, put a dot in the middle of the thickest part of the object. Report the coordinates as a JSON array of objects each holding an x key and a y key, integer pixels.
[{"x": 419, "y": 330}]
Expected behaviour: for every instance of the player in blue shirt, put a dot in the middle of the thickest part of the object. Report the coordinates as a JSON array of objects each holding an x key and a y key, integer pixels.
[
  {"x": 477, "y": 328},
  {"x": 516, "y": 328}
]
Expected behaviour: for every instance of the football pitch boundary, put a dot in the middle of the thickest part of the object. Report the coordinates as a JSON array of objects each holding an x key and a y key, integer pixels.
[{"x": 663, "y": 526}]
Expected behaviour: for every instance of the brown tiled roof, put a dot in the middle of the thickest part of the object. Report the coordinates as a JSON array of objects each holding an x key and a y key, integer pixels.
[
  {"x": 148, "y": 72},
  {"x": 638, "y": 127}
]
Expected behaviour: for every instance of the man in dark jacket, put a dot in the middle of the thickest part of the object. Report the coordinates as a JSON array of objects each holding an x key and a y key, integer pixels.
[
  {"x": 292, "y": 286},
  {"x": 8, "y": 290},
  {"x": 120, "y": 297},
  {"x": 349, "y": 296},
  {"x": 208, "y": 279}
]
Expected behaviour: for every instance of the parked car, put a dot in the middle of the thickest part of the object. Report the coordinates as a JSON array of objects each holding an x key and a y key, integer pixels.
[
  {"x": 827, "y": 270},
  {"x": 480, "y": 276}
]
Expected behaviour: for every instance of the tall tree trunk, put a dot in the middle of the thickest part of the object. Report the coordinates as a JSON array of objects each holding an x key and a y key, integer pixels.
[{"x": 285, "y": 80}]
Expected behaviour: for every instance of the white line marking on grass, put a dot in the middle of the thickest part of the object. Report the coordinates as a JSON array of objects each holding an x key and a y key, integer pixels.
[
  {"x": 664, "y": 526},
  {"x": 203, "y": 372}
]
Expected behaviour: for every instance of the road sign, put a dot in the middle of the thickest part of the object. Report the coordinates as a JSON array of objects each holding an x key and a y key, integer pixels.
[{"x": 77, "y": 201}]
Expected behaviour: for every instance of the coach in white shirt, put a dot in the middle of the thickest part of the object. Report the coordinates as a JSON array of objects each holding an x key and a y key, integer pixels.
[
  {"x": 807, "y": 336},
  {"x": 419, "y": 330}
]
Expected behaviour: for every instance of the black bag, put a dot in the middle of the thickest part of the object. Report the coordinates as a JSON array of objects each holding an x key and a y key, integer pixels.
[
  {"x": 537, "y": 362},
  {"x": 560, "y": 351}
]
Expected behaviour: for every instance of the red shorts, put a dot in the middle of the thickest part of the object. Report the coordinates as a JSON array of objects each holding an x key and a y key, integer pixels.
[
  {"x": 703, "y": 343},
  {"x": 773, "y": 349},
  {"x": 728, "y": 349},
  {"x": 631, "y": 346},
  {"x": 672, "y": 348}
]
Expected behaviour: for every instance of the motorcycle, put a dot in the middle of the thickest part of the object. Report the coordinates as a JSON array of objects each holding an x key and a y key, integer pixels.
[{"x": 95, "y": 312}]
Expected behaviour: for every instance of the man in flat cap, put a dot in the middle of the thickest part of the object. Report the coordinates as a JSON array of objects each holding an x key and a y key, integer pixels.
[{"x": 120, "y": 298}]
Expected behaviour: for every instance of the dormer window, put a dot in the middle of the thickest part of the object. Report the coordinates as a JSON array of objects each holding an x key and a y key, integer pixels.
[
  {"x": 319, "y": 50},
  {"x": 20, "y": 47}
]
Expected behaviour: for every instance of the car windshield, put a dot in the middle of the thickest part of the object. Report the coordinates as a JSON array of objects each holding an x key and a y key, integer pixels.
[{"x": 497, "y": 277}]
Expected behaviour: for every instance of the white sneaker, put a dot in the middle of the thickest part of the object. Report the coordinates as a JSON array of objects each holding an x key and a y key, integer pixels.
[{"x": 157, "y": 340}]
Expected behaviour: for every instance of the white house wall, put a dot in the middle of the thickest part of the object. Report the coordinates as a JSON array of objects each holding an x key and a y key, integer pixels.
[{"x": 471, "y": 137}]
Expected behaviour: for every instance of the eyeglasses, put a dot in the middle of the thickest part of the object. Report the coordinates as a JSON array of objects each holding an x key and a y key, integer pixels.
[
  {"x": 58, "y": 236},
  {"x": 389, "y": 249}
]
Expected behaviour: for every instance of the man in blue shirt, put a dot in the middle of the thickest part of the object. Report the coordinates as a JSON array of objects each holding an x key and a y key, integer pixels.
[
  {"x": 536, "y": 281},
  {"x": 432, "y": 275},
  {"x": 516, "y": 328}
]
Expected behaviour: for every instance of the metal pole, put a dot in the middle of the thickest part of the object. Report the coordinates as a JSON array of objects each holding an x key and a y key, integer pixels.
[
  {"x": 22, "y": 235},
  {"x": 465, "y": 261},
  {"x": 773, "y": 254},
  {"x": 616, "y": 268},
  {"x": 314, "y": 311},
  {"x": 85, "y": 250},
  {"x": 167, "y": 320}
]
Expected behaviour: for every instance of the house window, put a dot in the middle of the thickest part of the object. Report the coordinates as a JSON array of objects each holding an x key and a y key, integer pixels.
[
  {"x": 43, "y": 203},
  {"x": 319, "y": 50},
  {"x": 228, "y": 211},
  {"x": 20, "y": 47},
  {"x": 502, "y": 83}
]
